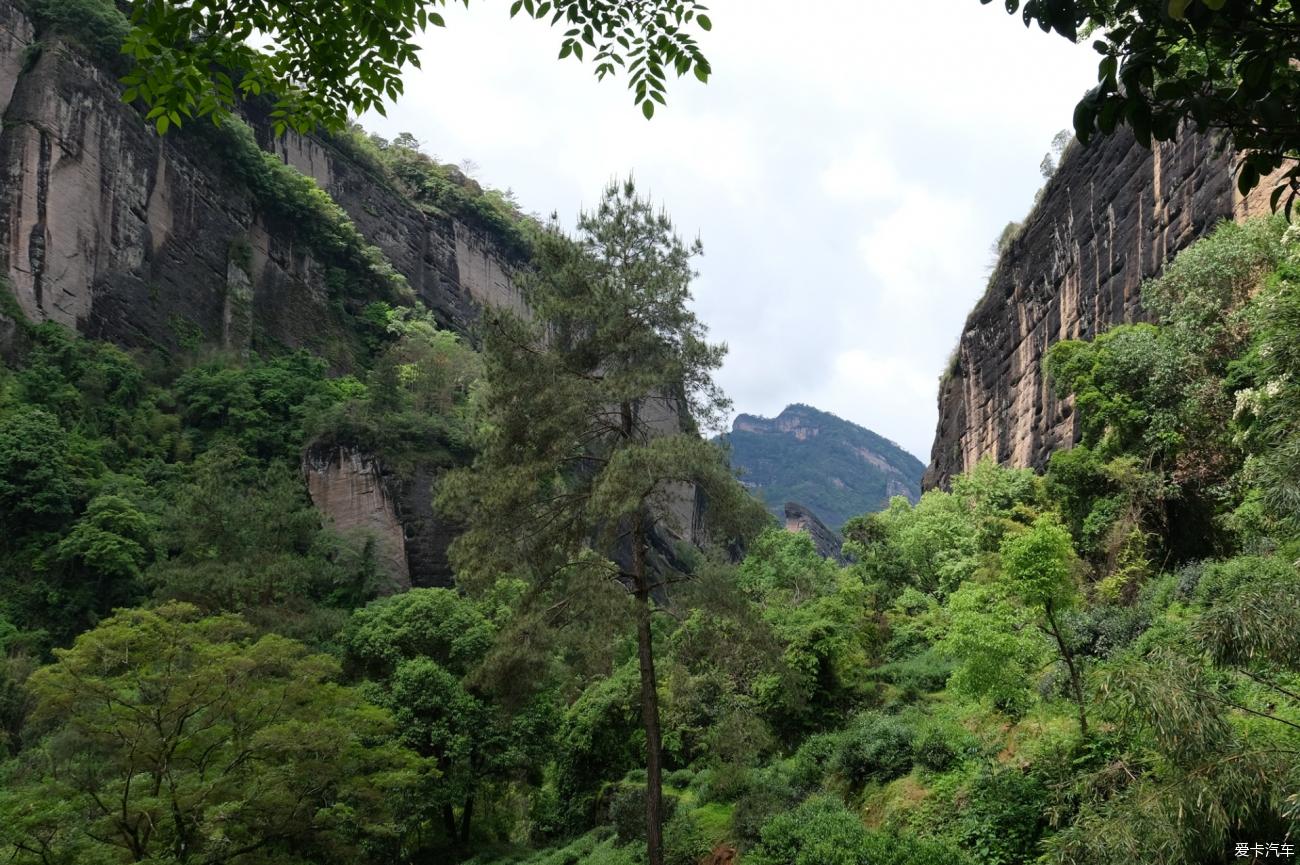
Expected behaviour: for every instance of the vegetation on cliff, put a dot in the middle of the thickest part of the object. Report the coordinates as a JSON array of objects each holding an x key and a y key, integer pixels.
[{"x": 1097, "y": 664}]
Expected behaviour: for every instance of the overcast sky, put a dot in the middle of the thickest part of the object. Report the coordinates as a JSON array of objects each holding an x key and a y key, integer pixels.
[{"x": 847, "y": 167}]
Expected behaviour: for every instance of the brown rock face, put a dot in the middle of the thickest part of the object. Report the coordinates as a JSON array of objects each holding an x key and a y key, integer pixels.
[
  {"x": 156, "y": 242},
  {"x": 348, "y": 487},
  {"x": 149, "y": 241},
  {"x": 799, "y": 519},
  {"x": 1110, "y": 218}
]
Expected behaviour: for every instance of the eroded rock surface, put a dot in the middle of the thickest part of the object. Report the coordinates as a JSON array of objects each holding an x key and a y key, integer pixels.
[
  {"x": 827, "y": 542},
  {"x": 1112, "y": 215},
  {"x": 153, "y": 241},
  {"x": 349, "y": 488}
]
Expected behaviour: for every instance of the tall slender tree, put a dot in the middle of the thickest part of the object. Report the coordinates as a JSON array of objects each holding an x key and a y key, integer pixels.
[{"x": 590, "y": 462}]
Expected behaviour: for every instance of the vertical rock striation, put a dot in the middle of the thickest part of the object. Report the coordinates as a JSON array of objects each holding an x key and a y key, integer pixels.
[
  {"x": 1112, "y": 215},
  {"x": 158, "y": 243},
  {"x": 151, "y": 241},
  {"x": 349, "y": 488}
]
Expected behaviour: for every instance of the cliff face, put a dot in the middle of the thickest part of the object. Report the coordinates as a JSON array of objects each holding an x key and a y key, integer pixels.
[
  {"x": 159, "y": 243},
  {"x": 148, "y": 241},
  {"x": 827, "y": 543},
  {"x": 349, "y": 487},
  {"x": 1110, "y": 218}
]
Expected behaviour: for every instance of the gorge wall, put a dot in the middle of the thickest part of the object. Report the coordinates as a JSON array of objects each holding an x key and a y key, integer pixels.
[
  {"x": 1109, "y": 218},
  {"x": 125, "y": 235},
  {"x": 160, "y": 244}
]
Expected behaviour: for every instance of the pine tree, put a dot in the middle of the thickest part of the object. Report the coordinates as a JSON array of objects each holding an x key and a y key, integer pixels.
[{"x": 590, "y": 462}]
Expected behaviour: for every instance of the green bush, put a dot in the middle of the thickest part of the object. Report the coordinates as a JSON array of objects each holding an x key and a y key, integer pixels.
[
  {"x": 679, "y": 778},
  {"x": 95, "y": 24},
  {"x": 822, "y": 831},
  {"x": 685, "y": 841},
  {"x": 1220, "y": 580},
  {"x": 875, "y": 748},
  {"x": 771, "y": 794},
  {"x": 627, "y": 803},
  {"x": 1005, "y": 817},
  {"x": 815, "y": 758},
  {"x": 924, "y": 673},
  {"x": 934, "y": 751},
  {"x": 1107, "y": 628}
]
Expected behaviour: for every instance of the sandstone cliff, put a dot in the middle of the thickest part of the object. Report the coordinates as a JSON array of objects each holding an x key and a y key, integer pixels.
[
  {"x": 828, "y": 543},
  {"x": 1110, "y": 218},
  {"x": 147, "y": 241},
  {"x": 160, "y": 243}
]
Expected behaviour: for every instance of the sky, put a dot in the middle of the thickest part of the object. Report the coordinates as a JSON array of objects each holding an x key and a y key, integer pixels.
[{"x": 847, "y": 168}]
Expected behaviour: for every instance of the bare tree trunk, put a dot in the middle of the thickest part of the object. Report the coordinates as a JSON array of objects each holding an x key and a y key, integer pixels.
[
  {"x": 649, "y": 703},
  {"x": 1076, "y": 684}
]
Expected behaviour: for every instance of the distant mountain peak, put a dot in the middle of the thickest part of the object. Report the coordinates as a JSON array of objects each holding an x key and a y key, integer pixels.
[{"x": 835, "y": 467}]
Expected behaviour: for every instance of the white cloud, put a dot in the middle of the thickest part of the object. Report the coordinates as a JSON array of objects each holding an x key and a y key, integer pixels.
[
  {"x": 921, "y": 249},
  {"x": 847, "y": 167},
  {"x": 864, "y": 172}
]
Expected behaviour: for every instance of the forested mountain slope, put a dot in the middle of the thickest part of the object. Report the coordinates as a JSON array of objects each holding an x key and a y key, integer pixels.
[{"x": 836, "y": 468}]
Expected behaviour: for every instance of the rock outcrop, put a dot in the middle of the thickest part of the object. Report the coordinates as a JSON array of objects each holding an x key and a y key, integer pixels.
[
  {"x": 153, "y": 241},
  {"x": 1112, "y": 215},
  {"x": 349, "y": 487},
  {"x": 827, "y": 542},
  {"x": 159, "y": 243}
]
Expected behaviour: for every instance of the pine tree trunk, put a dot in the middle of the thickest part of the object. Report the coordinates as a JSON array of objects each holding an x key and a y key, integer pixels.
[
  {"x": 1076, "y": 684},
  {"x": 649, "y": 704}
]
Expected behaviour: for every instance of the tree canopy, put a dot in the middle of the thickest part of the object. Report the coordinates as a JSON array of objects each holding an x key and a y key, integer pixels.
[
  {"x": 168, "y": 736},
  {"x": 1213, "y": 64},
  {"x": 321, "y": 61}
]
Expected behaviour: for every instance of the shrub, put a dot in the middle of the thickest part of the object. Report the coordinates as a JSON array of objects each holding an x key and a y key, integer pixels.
[
  {"x": 685, "y": 841},
  {"x": 724, "y": 783},
  {"x": 815, "y": 757},
  {"x": 627, "y": 811},
  {"x": 821, "y": 831},
  {"x": 923, "y": 673},
  {"x": 679, "y": 778},
  {"x": 875, "y": 748},
  {"x": 97, "y": 25},
  {"x": 1004, "y": 817},
  {"x": 1222, "y": 579},
  {"x": 1110, "y": 628},
  {"x": 934, "y": 751},
  {"x": 771, "y": 794}
]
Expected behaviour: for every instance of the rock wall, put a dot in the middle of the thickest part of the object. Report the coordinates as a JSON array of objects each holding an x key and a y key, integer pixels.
[
  {"x": 349, "y": 488},
  {"x": 1112, "y": 215},
  {"x": 156, "y": 243},
  {"x": 153, "y": 241},
  {"x": 828, "y": 543}
]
